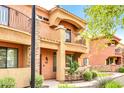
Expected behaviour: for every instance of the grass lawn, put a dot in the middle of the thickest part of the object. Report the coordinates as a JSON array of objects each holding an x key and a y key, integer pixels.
[{"x": 101, "y": 74}]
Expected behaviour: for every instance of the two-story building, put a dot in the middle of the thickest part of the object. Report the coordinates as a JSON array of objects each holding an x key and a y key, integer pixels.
[
  {"x": 56, "y": 42},
  {"x": 106, "y": 54}
]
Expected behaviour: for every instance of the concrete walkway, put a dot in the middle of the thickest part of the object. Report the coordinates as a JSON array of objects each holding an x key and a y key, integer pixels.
[{"x": 82, "y": 83}]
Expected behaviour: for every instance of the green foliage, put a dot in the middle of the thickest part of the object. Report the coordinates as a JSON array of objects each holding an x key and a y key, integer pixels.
[
  {"x": 66, "y": 86},
  {"x": 7, "y": 82},
  {"x": 94, "y": 74},
  {"x": 111, "y": 84},
  {"x": 87, "y": 75},
  {"x": 38, "y": 81},
  {"x": 73, "y": 66},
  {"x": 100, "y": 74},
  {"x": 103, "y": 20},
  {"x": 121, "y": 69}
]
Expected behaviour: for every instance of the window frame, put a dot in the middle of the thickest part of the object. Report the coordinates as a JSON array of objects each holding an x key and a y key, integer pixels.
[
  {"x": 72, "y": 56},
  {"x": 68, "y": 31},
  {"x": 7, "y": 56},
  {"x": 85, "y": 60},
  {"x": 8, "y": 17},
  {"x": 54, "y": 61}
]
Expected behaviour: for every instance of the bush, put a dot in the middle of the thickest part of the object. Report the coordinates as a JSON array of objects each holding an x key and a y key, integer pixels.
[
  {"x": 7, "y": 82},
  {"x": 94, "y": 74},
  {"x": 73, "y": 66},
  {"x": 87, "y": 75},
  {"x": 66, "y": 86},
  {"x": 121, "y": 69},
  {"x": 112, "y": 84},
  {"x": 38, "y": 81}
]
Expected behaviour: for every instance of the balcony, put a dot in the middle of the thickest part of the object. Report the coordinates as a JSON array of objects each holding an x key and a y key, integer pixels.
[
  {"x": 118, "y": 51},
  {"x": 112, "y": 50},
  {"x": 76, "y": 44},
  {"x": 14, "y": 19}
]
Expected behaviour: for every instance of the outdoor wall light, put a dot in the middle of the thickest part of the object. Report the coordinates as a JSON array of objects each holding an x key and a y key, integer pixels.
[{"x": 46, "y": 60}]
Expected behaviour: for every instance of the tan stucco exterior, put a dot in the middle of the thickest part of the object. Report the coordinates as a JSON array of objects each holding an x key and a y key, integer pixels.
[
  {"x": 50, "y": 36},
  {"x": 51, "y": 28}
]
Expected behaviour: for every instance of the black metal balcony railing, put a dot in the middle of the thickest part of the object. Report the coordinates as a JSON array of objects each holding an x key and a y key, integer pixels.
[{"x": 15, "y": 19}]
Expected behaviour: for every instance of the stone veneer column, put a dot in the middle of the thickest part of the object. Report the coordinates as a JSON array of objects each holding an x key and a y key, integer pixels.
[
  {"x": 37, "y": 48},
  {"x": 60, "y": 73}
]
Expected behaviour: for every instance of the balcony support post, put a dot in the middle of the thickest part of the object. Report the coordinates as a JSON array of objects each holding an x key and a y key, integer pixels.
[{"x": 60, "y": 74}]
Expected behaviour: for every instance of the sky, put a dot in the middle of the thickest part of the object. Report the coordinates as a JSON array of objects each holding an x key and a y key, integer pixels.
[{"x": 78, "y": 11}]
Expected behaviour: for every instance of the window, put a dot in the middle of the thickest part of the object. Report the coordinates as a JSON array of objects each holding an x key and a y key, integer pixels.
[
  {"x": 41, "y": 18},
  {"x": 109, "y": 61},
  {"x": 85, "y": 61},
  {"x": 45, "y": 19},
  {"x": 70, "y": 58},
  {"x": 68, "y": 35},
  {"x": 3, "y": 15},
  {"x": 54, "y": 61},
  {"x": 8, "y": 57}
]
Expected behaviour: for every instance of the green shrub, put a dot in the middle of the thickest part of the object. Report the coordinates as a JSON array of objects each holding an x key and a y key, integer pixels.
[
  {"x": 121, "y": 69},
  {"x": 38, "y": 81},
  {"x": 112, "y": 84},
  {"x": 66, "y": 86},
  {"x": 94, "y": 74},
  {"x": 7, "y": 82},
  {"x": 73, "y": 66},
  {"x": 87, "y": 75}
]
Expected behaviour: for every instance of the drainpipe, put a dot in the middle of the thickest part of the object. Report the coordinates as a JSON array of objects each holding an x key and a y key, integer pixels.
[{"x": 33, "y": 48}]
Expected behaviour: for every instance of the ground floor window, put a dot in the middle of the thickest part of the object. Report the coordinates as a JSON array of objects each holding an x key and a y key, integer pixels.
[
  {"x": 70, "y": 58},
  {"x": 109, "y": 61},
  {"x": 8, "y": 57},
  {"x": 54, "y": 61},
  {"x": 85, "y": 61}
]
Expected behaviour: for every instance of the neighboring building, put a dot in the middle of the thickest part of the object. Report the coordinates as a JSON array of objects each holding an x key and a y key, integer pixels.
[
  {"x": 56, "y": 42},
  {"x": 104, "y": 52}
]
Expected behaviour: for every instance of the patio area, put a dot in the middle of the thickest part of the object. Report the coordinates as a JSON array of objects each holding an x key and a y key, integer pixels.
[{"x": 82, "y": 83}]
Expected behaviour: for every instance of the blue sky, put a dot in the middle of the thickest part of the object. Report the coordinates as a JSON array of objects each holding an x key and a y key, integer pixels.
[{"x": 78, "y": 10}]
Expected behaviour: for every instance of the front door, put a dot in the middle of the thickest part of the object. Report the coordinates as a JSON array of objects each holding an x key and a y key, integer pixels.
[{"x": 48, "y": 63}]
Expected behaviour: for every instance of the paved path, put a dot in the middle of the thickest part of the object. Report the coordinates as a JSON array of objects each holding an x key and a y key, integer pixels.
[
  {"x": 84, "y": 84},
  {"x": 120, "y": 80}
]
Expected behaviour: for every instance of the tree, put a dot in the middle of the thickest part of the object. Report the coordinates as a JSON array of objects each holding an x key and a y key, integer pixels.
[{"x": 103, "y": 20}]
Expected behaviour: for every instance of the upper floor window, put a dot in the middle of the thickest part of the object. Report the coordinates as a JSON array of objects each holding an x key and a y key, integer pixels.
[
  {"x": 4, "y": 15},
  {"x": 42, "y": 18},
  {"x": 8, "y": 57},
  {"x": 68, "y": 35}
]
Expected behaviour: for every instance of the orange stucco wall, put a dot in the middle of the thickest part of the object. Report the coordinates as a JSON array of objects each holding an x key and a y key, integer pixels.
[
  {"x": 47, "y": 66},
  {"x": 99, "y": 52},
  {"x": 20, "y": 51}
]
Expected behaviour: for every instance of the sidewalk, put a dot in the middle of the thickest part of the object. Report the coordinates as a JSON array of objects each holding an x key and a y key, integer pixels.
[{"x": 82, "y": 83}]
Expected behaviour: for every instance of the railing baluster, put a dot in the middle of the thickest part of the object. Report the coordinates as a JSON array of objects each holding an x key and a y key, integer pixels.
[{"x": 14, "y": 19}]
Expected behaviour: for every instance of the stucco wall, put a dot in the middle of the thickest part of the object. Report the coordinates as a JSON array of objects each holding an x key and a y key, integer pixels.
[
  {"x": 21, "y": 75},
  {"x": 99, "y": 52}
]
